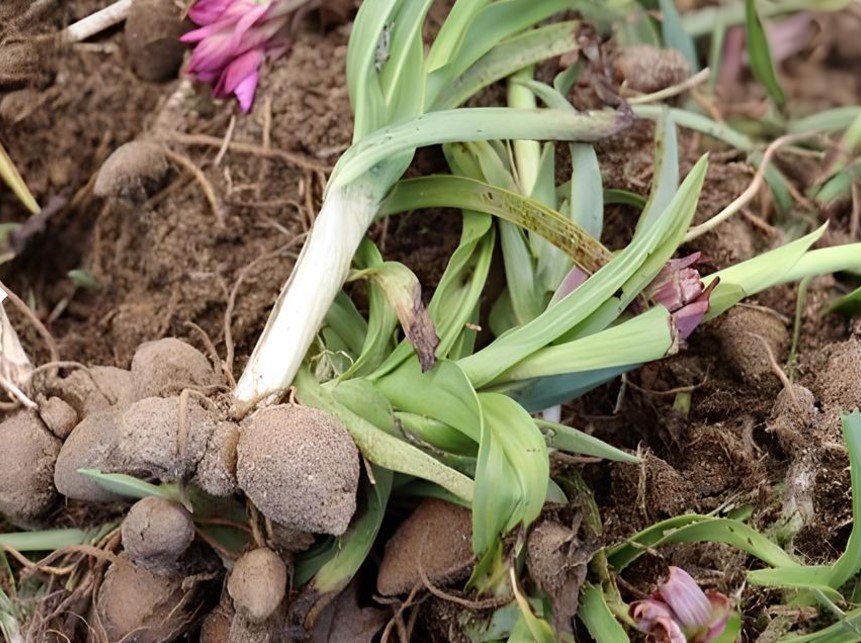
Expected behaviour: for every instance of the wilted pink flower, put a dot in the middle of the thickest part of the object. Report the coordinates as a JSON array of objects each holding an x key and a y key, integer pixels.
[
  {"x": 234, "y": 38},
  {"x": 680, "y": 612},
  {"x": 678, "y": 289}
]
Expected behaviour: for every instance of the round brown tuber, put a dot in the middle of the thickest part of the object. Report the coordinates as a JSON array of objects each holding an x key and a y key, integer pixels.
[
  {"x": 648, "y": 69},
  {"x": 166, "y": 366},
  {"x": 300, "y": 468},
  {"x": 216, "y": 472},
  {"x": 156, "y": 532},
  {"x": 747, "y": 335},
  {"x": 437, "y": 537},
  {"x": 152, "y": 32},
  {"x": 92, "y": 390},
  {"x": 257, "y": 584},
  {"x": 27, "y": 459},
  {"x": 133, "y": 604},
  {"x": 90, "y": 445},
  {"x": 133, "y": 171}
]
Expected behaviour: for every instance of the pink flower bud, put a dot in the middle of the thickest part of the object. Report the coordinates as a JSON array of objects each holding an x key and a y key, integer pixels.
[
  {"x": 680, "y": 612},
  {"x": 234, "y": 38}
]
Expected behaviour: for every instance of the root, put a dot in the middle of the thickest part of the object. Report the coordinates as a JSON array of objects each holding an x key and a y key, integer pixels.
[
  {"x": 246, "y": 148},
  {"x": 776, "y": 367},
  {"x": 200, "y": 177}
]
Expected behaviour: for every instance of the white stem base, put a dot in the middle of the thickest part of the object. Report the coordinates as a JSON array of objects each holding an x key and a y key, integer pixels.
[
  {"x": 305, "y": 299},
  {"x": 98, "y": 21}
]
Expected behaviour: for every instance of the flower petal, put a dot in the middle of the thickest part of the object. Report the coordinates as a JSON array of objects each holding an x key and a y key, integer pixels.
[
  {"x": 655, "y": 618},
  {"x": 205, "y": 12},
  {"x": 685, "y": 598}
]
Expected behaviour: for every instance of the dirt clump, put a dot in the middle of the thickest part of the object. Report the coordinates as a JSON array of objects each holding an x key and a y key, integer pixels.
[
  {"x": 156, "y": 532},
  {"x": 300, "y": 468},
  {"x": 169, "y": 365},
  {"x": 58, "y": 416},
  {"x": 258, "y": 584},
  {"x": 134, "y": 604},
  {"x": 152, "y": 32},
  {"x": 27, "y": 462},
  {"x": 436, "y": 539},
  {"x": 792, "y": 417},
  {"x": 216, "y": 471},
  {"x": 837, "y": 369},
  {"x": 91, "y": 390},
  {"x": 647, "y": 69},
  {"x": 133, "y": 171},
  {"x": 744, "y": 334}
]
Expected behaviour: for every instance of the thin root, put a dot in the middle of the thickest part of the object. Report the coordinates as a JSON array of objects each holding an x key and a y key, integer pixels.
[{"x": 200, "y": 177}]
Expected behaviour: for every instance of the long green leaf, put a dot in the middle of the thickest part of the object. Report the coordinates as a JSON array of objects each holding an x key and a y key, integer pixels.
[
  {"x": 471, "y": 124},
  {"x": 759, "y": 54},
  {"x": 597, "y": 617},
  {"x": 129, "y": 486},
  {"x": 469, "y": 194},
  {"x": 518, "y": 344},
  {"x": 849, "y": 564},
  {"x": 571, "y": 440},
  {"x": 674, "y": 34}
]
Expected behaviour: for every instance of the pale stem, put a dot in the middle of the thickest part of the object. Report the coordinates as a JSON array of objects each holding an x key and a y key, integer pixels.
[
  {"x": 305, "y": 299},
  {"x": 99, "y": 21}
]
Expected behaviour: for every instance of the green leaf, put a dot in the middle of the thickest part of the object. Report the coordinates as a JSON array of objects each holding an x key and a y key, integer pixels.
[
  {"x": 51, "y": 539},
  {"x": 346, "y": 321},
  {"x": 570, "y": 440},
  {"x": 523, "y": 50},
  {"x": 807, "y": 577},
  {"x": 666, "y": 170},
  {"x": 597, "y": 617},
  {"x": 849, "y": 563},
  {"x": 694, "y": 528},
  {"x": 355, "y": 544},
  {"x": 537, "y": 629},
  {"x": 512, "y": 471},
  {"x": 403, "y": 293},
  {"x": 129, "y": 486},
  {"x": 627, "y": 271},
  {"x": 11, "y": 177},
  {"x": 470, "y": 194},
  {"x": 402, "y": 75},
  {"x": 674, "y": 33},
  {"x": 849, "y": 304},
  {"x": 380, "y": 447},
  {"x": 470, "y": 124},
  {"x": 759, "y": 54}
]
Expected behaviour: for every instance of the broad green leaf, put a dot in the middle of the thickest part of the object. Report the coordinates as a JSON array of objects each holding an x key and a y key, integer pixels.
[
  {"x": 435, "y": 433},
  {"x": 674, "y": 33},
  {"x": 825, "y": 260},
  {"x": 806, "y": 577},
  {"x": 469, "y": 124},
  {"x": 450, "y": 35},
  {"x": 523, "y": 50},
  {"x": 849, "y": 304},
  {"x": 666, "y": 171},
  {"x": 624, "y": 197},
  {"x": 466, "y": 193},
  {"x": 402, "y": 75},
  {"x": 129, "y": 486},
  {"x": 347, "y": 322},
  {"x": 380, "y": 447},
  {"x": 846, "y": 630},
  {"x": 444, "y": 394},
  {"x": 698, "y": 123},
  {"x": 537, "y": 629},
  {"x": 512, "y": 471},
  {"x": 597, "y": 617},
  {"x": 827, "y": 121},
  {"x": 759, "y": 53}
]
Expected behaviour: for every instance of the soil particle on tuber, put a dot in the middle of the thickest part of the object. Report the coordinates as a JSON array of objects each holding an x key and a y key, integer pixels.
[
  {"x": 837, "y": 383},
  {"x": 92, "y": 390},
  {"x": 156, "y": 532},
  {"x": 436, "y": 539},
  {"x": 91, "y": 445},
  {"x": 258, "y": 584},
  {"x": 216, "y": 472},
  {"x": 166, "y": 366},
  {"x": 300, "y": 468},
  {"x": 134, "y": 604},
  {"x": 747, "y": 335},
  {"x": 216, "y": 625},
  {"x": 27, "y": 462},
  {"x": 648, "y": 69},
  {"x": 152, "y": 32},
  {"x": 58, "y": 416},
  {"x": 793, "y": 415},
  {"x": 133, "y": 171}
]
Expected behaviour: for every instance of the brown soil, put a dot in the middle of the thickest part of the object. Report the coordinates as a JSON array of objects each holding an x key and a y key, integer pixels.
[{"x": 169, "y": 262}]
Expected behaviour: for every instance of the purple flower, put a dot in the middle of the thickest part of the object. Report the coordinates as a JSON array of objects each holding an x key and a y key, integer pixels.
[
  {"x": 234, "y": 38},
  {"x": 680, "y": 612},
  {"x": 678, "y": 289}
]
